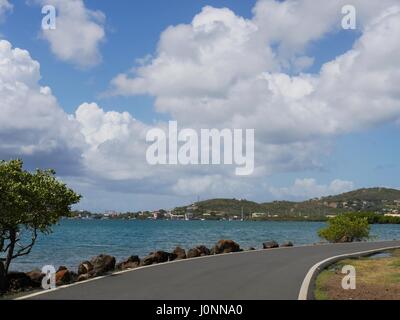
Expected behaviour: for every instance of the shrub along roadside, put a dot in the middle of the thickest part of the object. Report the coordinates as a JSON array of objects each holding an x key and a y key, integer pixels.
[
  {"x": 375, "y": 218},
  {"x": 346, "y": 228}
]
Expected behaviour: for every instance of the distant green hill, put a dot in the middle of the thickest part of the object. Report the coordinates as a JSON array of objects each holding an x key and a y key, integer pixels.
[
  {"x": 373, "y": 199},
  {"x": 371, "y": 194},
  {"x": 234, "y": 206}
]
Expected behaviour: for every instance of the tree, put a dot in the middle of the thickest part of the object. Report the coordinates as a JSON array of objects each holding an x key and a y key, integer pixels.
[
  {"x": 346, "y": 228},
  {"x": 29, "y": 203}
]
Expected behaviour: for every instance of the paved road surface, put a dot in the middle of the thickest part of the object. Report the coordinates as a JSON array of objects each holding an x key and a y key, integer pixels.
[{"x": 266, "y": 275}]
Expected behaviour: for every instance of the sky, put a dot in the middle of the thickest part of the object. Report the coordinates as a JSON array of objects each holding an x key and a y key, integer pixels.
[{"x": 324, "y": 101}]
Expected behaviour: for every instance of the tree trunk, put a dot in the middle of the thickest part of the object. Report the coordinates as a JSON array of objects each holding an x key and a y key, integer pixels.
[
  {"x": 2, "y": 278},
  {"x": 10, "y": 252}
]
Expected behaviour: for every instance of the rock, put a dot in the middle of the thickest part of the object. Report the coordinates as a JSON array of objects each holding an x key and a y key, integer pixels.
[
  {"x": 131, "y": 263},
  {"x": 225, "y": 246},
  {"x": 17, "y": 281},
  {"x": 193, "y": 253},
  {"x": 97, "y": 266},
  {"x": 251, "y": 249},
  {"x": 127, "y": 265},
  {"x": 204, "y": 251},
  {"x": 155, "y": 257},
  {"x": 74, "y": 276},
  {"x": 346, "y": 239},
  {"x": 102, "y": 264},
  {"x": 83, "y": 277},
  {"x": 63, "y": 277},
  {"x": 133, "y": 259},
  {"x": 270, "y": 245},
  {"x": 172, "y": 256},
  {"x": 2, "y": 278},
  {"x": 180, "y": 253},
  {"x": 199, "y": 251},
  {"x": 61, "y": 268},
  {"x": 287, "y": 244},
  {"x": 36, "y": 277},
  {"x": 85, "y": 267}
]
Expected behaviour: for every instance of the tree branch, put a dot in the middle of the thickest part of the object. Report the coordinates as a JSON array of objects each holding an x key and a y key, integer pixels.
[{"x": 27, "y": 249}]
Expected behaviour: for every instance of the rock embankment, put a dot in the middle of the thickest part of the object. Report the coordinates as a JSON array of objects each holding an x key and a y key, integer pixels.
[{"x": 104, "y": 264}]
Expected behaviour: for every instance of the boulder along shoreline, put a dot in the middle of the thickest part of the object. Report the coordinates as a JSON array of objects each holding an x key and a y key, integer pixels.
[{"x": 103, "y": 264}]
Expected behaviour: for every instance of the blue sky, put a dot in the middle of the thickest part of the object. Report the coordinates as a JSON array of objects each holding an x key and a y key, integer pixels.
[
  {"x": 133, "y": 32},
  {"x": 360, "y": 151}
]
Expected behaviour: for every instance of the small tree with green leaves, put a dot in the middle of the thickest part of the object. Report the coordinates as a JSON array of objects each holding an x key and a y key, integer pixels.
[
  {"x": 346, "y": 228},
  {"x": 29, "y": 203}
]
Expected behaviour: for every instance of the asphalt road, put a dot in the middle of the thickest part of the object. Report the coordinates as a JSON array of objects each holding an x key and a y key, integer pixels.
[{"x": 274, "y": 274}]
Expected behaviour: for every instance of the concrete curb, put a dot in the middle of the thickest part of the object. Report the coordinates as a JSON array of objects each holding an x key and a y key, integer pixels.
[
  {"x": 161, "y": 265},
  {"x": 156, "y": 265},
  {"x": 308, "y": 285}
]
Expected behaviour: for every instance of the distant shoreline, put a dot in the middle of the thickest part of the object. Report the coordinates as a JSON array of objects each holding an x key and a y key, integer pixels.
[
  {"x": 372, "y": 201},
  {"x": 278, "y": 219}
]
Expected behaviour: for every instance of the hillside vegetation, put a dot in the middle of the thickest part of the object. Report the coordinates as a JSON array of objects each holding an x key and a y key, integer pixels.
[
  {"x": 376, "y": 200},
  {"x": 367, "y": 194}
]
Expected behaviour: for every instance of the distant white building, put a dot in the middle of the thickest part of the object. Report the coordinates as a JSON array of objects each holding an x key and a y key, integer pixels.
[
  {"x": 256, "y": 215},
  {"x": 392, "y": 215},
  {"x": 175, "y": 216}
]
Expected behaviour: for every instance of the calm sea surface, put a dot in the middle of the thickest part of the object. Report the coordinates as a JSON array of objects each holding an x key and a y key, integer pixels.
[{"x": 76, "y": 240}]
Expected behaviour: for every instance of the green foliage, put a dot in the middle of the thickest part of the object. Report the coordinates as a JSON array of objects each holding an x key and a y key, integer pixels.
[
  {"x": 372, "y": 199},
  {"x": 29, "y": 202},
  {"x": 346, "y": 228},
  {"x": 232, "y": 206},
  {"x": 367, "y": 194},
  {"x": 284, "y": 209},
  {"x": 388, "y": 220},
  {"x": 375, "y": 218}
]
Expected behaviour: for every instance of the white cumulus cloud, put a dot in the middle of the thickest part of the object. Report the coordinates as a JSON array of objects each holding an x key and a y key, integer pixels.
[
  {"x": 291, "y": 25},
  {"x": 32, "y": 124},
  {"x": 222, "y": 70},
  {"x": 79, "y": 32},
  {"x": 5, "y": 6},
  {"x": 219, "y": 71}
]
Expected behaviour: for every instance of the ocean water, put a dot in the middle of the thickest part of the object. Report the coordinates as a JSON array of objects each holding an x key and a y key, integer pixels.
[{"x": 76, "y": 240}]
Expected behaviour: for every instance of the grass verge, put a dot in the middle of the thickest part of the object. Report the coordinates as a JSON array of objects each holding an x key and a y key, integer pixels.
[{"x": 377, "y": 278}]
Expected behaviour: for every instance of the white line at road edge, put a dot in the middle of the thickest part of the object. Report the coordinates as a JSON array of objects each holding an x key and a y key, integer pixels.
[
  {"x": 35, "y": 294},
  {"x": 318, "y": 267},
  {"x": 43, "y": 292},
  {"x": 28, "y": 296}
]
